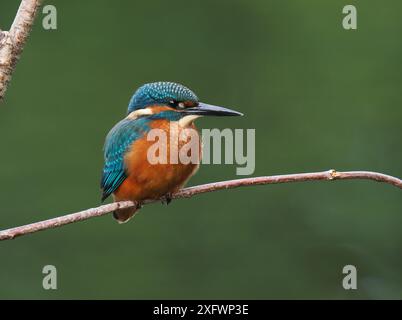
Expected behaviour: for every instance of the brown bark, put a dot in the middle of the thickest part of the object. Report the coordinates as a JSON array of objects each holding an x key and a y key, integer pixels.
[
  {"x": 12, "y": 41},
  {"x": 189, "y": 192}
]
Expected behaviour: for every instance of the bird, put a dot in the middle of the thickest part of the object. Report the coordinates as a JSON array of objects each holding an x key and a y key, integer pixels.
[{"x": 127, "y": 172}]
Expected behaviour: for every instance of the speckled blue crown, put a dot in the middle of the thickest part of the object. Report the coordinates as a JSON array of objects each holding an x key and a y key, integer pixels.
[{"x": 160, "y": 93}]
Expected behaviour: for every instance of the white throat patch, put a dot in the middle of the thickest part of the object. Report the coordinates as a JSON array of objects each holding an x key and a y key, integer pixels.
[{"x": 187, "y": 120}]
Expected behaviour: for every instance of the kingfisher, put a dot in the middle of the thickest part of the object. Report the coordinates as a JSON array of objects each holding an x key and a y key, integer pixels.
[{"x": 128, "y": 173}]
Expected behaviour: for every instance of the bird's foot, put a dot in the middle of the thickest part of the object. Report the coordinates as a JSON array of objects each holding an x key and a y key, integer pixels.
[{"x": 167, "y": 198}]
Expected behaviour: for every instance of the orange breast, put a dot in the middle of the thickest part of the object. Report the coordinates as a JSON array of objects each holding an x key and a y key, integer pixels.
[{"x": 148, "y": 180}]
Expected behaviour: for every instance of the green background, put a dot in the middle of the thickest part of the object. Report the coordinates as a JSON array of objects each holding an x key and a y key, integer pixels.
[{"x": 319, "y": 97}]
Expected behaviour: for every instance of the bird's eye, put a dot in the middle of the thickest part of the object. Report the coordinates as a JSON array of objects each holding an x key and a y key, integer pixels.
[
  {"x": 177, "y": 105},
  {"x": 173, "y": 103}
]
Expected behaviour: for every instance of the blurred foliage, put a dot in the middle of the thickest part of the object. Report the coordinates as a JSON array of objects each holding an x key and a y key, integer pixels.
[{"x": 318, "y": 96}]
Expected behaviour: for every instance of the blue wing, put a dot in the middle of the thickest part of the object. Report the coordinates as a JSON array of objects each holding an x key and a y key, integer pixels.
[{"x": 118, "y": 142}]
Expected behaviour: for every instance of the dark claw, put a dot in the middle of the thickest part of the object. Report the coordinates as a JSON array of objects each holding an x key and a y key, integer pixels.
[{"x": 166, "y": 199}]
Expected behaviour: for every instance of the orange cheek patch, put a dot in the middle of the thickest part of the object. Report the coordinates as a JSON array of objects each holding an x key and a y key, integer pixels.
[
  {"x": 189, "y": 104},
  {"x": 158, "y": 109}
]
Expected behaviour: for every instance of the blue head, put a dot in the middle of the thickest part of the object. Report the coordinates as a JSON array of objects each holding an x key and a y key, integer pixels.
[
  {"x": 160, "y": 93},
  {"x": 178, "y": 101}
]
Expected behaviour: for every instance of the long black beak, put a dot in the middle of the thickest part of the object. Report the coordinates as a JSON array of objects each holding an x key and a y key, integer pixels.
[{"x": 204, "y": 109}]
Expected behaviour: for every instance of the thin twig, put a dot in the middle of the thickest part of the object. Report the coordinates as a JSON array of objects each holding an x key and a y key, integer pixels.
[
  {"x": 189, "y": 192},
  {"x": 12, "y": 42}
]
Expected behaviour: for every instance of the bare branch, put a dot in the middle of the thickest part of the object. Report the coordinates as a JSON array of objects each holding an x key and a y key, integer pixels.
[
  {"x": 12, "y": 42},
  {"x": 189, "y": 192}
]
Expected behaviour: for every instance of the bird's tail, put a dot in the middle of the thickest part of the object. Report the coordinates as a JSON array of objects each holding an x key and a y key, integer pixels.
[{"x": 123, "y": 215}]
